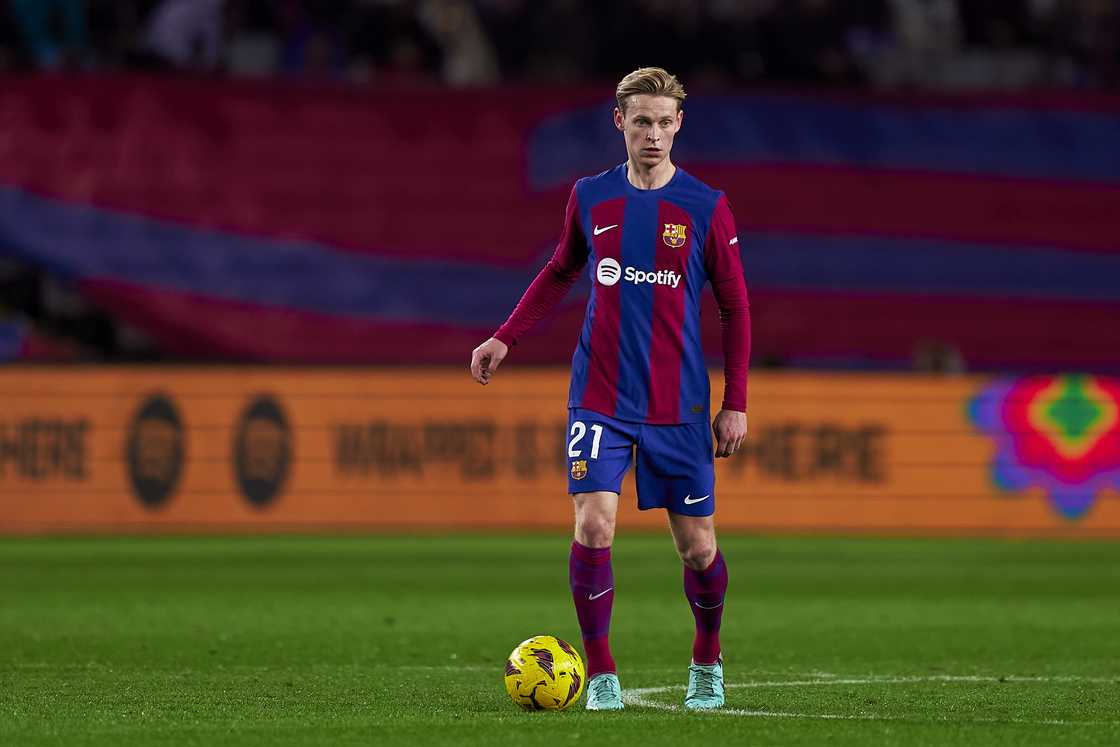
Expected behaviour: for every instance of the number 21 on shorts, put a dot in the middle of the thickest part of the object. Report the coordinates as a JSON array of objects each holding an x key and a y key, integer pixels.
[{"x": 579, "y": 430}]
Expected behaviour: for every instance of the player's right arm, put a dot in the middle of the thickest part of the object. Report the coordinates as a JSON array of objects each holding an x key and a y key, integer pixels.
[{"x": 546, "y": 291}]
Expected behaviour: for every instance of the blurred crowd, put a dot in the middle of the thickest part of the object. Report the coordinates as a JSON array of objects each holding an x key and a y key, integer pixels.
[
  {"x": 43, "y": 318},
  {"x": 927, "y": 44}
]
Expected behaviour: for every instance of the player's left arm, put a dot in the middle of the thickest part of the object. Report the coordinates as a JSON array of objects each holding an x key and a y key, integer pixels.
[{"x": 725, "y": 271}]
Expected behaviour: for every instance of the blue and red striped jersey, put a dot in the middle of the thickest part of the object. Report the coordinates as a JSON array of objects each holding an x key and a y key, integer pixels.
[{"x": 639, "y": 356}]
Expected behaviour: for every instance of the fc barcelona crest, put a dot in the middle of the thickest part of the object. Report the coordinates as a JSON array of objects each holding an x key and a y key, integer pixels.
[
  {"x": 579, "y": 469},
  {"x": 675, "y": 234}
]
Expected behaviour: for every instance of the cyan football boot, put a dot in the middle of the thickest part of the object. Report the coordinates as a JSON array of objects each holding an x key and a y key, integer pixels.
[
  {"x": 604, "y": 693},
  {"x": 705, "y": 686}
]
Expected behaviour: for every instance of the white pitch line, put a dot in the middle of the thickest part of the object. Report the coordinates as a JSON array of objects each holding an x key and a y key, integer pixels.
[
  {"x": 636, "y": 697},
  {"x": 891, "y": 680}
]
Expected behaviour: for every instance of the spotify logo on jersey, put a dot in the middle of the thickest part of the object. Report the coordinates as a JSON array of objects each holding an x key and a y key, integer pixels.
[{"x": 608, "y": 272}]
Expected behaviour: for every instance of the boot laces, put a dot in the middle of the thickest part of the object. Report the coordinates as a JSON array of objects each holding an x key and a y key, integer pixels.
[
  {"x": 705, "y": 682},
  {"x": 603, "y": 688}
]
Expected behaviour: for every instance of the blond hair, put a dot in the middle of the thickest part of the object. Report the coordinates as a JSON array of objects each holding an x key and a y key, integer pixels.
[{"x": 654, "y": 81}]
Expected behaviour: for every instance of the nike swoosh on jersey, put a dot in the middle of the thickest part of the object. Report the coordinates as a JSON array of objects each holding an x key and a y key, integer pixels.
[
  {"x": 596, "y": 596},
  {"x": 604, "y": 229},
  {"x": 689, "y": 500},
  {"x": 733, "y": 241}
]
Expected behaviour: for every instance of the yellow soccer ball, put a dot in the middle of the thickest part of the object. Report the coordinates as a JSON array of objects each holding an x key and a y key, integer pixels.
[{"x": 544, "y": 673}]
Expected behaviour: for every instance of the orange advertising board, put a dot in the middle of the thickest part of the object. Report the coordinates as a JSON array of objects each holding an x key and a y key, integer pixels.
[{"x": 232, "y": 449}]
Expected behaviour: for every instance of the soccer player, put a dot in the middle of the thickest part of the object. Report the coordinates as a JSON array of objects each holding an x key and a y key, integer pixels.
[{"x": 654, "y": 235}]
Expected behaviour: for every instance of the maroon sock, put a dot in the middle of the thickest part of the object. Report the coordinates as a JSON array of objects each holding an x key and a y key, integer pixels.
[
  {"x": 705, "y": 591},
  {"x": 592, "y": 581}
]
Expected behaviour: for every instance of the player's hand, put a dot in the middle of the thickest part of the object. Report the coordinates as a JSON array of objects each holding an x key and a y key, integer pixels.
[
  {"x": 486, "y": 358},
  {"x": 730, "y": 428}
]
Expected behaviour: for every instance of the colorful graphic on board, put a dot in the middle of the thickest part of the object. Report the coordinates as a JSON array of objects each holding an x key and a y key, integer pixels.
[{"x": 1060, "y": 433}]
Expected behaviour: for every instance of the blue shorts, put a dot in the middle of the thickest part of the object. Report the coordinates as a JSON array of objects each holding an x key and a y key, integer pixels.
[{"x": 675, "y": 463}]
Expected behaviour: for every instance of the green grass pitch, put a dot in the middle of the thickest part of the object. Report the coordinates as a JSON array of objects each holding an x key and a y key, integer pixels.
[{"x": 402, "y": 640}]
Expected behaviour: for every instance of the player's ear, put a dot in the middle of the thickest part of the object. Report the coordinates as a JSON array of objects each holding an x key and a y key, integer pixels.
[{"x": 618, "y": 118}]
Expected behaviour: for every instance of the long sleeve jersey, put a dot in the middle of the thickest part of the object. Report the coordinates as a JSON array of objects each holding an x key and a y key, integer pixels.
[{"x": 639, "y": 356}]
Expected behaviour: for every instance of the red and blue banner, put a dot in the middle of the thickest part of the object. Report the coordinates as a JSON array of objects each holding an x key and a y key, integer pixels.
[{"x": 259, "y": 221}]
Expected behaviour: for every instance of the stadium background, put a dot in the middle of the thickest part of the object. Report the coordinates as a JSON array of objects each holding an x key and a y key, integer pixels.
[{"x": 926, "y": 198}]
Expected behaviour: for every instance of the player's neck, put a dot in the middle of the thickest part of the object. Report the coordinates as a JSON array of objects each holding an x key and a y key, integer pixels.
[{"x": 653, "y": 177}]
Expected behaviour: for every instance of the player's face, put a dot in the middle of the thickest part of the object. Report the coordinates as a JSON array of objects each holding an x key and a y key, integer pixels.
[{"x": 649, "y": 126}]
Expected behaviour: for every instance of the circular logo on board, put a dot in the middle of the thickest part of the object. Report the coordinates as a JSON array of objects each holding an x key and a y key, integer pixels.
[
  {"x": 155, "y": 450},
  {"x": 608, "y": 272},
  {"x": 262, "y": 451}
]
